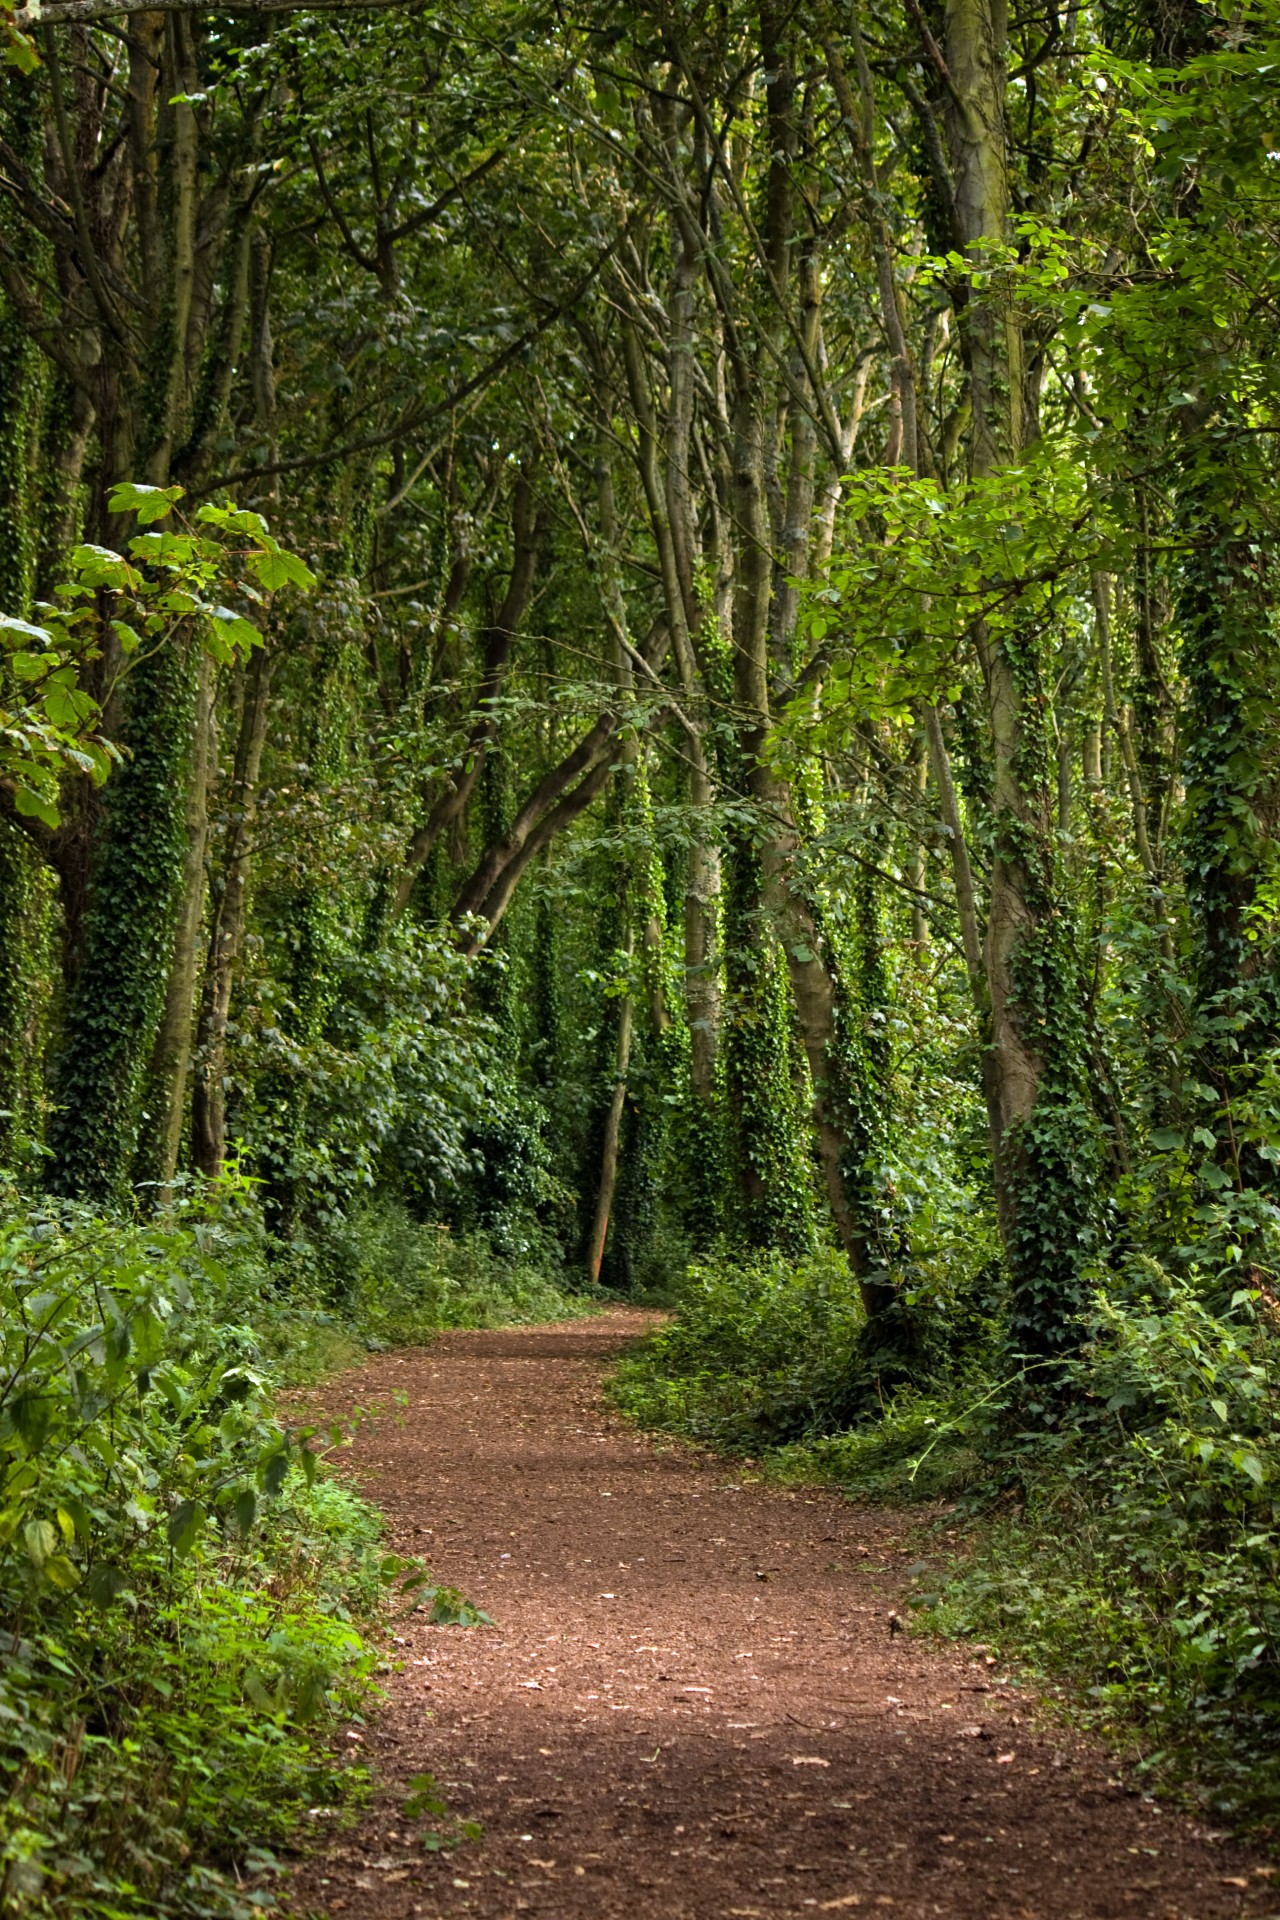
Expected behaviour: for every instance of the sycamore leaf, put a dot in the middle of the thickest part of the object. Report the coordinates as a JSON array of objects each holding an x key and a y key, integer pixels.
[
  {"x": 149, "y": 503},
  {"x": 23, "y": 630},
  {"x": 34, "y": 806},
  {"x": 277, "y": 570}
]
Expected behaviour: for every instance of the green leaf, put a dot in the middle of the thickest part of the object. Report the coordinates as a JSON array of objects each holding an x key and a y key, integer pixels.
[
  {"x": 185, "y": 1524},
  {"x": 281, "y": 569},
  {"x": 129, "y": 640},
  {"x": 60, "y": 1573},
  {"x": 148, "y": 503},
  {"x": 233, "y": 630},
  {"x": 104, "y": 1585},
  {"x": 246, "y": 1511},
  {"x": 275, "y": 1471},
  {"x": 233, "y": 519},
  {"x": 256, "y": 1689},
  {"x": 424, "y": 1797},
  {"x": 23, "y": 630},
  {"x": 35, "y": 806},
  {"x": 40, "y": 1537}
]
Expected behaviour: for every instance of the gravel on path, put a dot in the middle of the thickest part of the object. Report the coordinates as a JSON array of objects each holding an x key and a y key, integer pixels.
[{"x": 693, "y": 1703}]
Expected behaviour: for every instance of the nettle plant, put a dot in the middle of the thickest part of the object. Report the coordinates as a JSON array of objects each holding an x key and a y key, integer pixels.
[{"x": 210, "y": 576}]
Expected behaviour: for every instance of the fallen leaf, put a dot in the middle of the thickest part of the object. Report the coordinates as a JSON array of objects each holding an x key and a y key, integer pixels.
[
  {"x": 809, "y": 1760},
  {"x": 1234, "y": 1880},
  {"x": 845, "y": 1900}
]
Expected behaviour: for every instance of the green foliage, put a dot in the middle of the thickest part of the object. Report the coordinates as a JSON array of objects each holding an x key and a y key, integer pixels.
[
  {"x": 763, "y": 1349},
  {"x": 765, "y": 1078},
  {"x": 1140, "y": 1563},
  {"x": 398, "y": 1280},
  {"x": 181, "y": 1589}
]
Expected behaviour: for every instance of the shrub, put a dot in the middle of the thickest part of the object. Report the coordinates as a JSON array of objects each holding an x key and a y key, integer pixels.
[
  {"x": 180, "y": 1593},
  {"x": 762, "y": 1351}
]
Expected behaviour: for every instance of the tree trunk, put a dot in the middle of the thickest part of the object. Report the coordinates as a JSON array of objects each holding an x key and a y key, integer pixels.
[
  {"x": 226, "y": 934},
  {"x": 166, "y": 1094},
  {"x": 496, "y": 641},
  {"x": 1046, "y": 1173},
  {"x": 612, "y": 1134}
]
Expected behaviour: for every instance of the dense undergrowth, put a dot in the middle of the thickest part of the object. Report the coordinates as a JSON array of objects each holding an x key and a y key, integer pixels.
[
  {"x": 1119, "y": 1535},
  {"x": 189, "y": 1604}
]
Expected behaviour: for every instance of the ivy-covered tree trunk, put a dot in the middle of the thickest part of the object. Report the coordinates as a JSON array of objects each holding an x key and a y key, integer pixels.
[
  {"x": 135, "y": 891},
  {"x": 1047, "y": 1160},
  {"x": 165, "y": 1101},
  {"x": 1232, "y": 773}
]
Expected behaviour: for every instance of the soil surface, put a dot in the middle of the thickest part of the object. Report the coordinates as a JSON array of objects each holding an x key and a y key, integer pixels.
[{"x": 694, "y": 1702}]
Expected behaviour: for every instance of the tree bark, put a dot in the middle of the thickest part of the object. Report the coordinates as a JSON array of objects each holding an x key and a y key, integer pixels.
[
  {"x": 496, "y": 642},
  {"x": 612, "y": 1135},
  {"x": 226, "y": 933},
  {"x": 171, "y": 1056}
]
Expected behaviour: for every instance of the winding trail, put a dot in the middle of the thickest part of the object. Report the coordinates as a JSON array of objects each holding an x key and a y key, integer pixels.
[{"x": 693, "y": 1704}]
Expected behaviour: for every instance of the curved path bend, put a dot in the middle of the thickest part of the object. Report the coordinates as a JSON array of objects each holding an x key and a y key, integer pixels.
[{"x": 693, "y": 1705}]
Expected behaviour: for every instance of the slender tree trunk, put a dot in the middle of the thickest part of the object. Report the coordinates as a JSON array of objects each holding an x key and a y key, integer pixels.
[
  {"x": 612, "y": 1135},
  {"x": 226, "y": 934}
]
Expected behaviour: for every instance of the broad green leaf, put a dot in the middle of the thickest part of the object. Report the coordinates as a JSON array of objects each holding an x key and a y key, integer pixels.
[
  {"x": 23, "y": 630},
  {"x": 185, "y": 1525},
  {"x": 276, "y": 570},
  {"x": 148, "y": 503},
  {"x": 41, "y": 1540},
  {"x": 35, "y": 806}
]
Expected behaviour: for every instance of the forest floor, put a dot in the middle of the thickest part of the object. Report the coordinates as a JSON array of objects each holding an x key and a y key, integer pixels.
[{"x": 694, "y": 1703}]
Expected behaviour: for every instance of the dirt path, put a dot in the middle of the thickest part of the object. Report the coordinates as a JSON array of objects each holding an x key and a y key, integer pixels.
[{"x": 693, "y": 1704}]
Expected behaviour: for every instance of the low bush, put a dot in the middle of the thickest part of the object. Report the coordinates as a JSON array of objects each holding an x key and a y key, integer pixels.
[
  {"x": 381, "y": 1278},
  {"x": 1120, "y": 1537},
  {"x": 181, "y": 1591},
  {"x": 1135, "y": 1553},
  {"x": 761, "y": 1352}
]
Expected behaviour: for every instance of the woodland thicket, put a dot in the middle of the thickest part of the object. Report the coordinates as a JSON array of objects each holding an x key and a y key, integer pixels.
[{"x": 639, "y": 653}]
